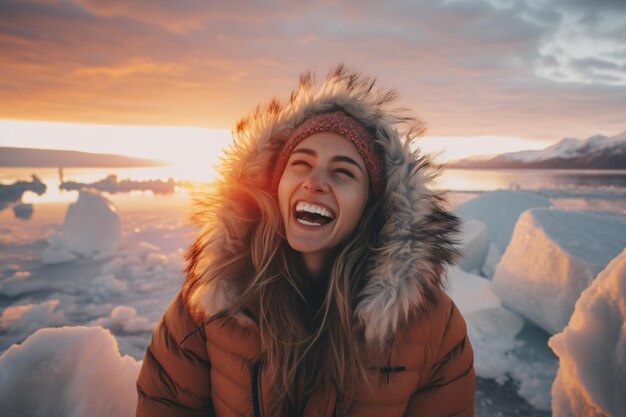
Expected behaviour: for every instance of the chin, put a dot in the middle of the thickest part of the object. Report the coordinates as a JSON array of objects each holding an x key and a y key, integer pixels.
[{"x": 304, "y": 247}]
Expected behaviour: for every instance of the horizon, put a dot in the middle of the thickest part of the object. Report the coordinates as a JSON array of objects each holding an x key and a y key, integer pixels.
[{"x": 209, "y": 144}]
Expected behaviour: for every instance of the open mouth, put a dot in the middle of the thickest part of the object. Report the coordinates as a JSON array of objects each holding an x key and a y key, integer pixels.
[{"x": 311, "y": 214}]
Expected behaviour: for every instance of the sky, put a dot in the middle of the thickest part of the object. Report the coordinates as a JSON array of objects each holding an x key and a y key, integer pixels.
[{"x": 485, "y": 75}]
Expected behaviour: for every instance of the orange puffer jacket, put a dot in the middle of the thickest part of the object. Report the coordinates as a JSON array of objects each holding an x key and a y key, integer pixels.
[
  {"x": 203, "y": 363},
  {"x": 213, "y": 370}
]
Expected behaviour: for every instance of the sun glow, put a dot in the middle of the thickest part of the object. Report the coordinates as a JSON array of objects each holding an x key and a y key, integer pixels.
[{"x": 191, "y": 150}]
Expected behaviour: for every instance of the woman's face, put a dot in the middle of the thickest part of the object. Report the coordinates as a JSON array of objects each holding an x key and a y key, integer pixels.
[{"x": 322, "y": 194}]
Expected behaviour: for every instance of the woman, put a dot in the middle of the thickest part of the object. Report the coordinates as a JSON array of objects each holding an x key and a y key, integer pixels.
[{"x": 314, "y": 287}]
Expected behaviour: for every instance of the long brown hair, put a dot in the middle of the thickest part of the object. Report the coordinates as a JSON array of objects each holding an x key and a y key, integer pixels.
[{"x": 306, "y": 345}]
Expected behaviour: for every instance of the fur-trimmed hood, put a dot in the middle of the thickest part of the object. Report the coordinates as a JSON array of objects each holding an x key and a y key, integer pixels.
[{"x": 417, "y": 234}]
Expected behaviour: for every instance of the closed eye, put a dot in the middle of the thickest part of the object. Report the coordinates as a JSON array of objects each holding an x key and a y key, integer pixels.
[
  {"x": 300, "y": 162},
  {"x": 345, "y": 171}
]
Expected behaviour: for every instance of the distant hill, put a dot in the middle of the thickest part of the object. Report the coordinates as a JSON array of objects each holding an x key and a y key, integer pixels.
[
  {"x": 596, "y": 152},
  {"x": 24, "y": 157}
]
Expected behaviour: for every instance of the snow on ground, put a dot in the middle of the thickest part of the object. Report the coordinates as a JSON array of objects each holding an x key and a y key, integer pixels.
[
  {"x": 568, "y": 249},
  {"x": 122, "y": 294},
  {"x": 126, "y": 291},
  {"x": 70, "y": 372},
  {"x": 591, "y": 379},
  {"x": 499, "y": 210}
]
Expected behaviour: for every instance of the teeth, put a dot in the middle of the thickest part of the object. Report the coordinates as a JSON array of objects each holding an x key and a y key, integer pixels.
[
  {"x": 315, "y": 209},
  {"x": 308, "y": 223}
]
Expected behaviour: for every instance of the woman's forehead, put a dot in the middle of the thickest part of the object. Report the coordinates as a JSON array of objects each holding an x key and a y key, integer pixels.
[{"x": 328, "y": 144}]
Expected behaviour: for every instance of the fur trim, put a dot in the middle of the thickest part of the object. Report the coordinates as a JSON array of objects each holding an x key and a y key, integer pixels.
[{"x": 417, "y": 237}]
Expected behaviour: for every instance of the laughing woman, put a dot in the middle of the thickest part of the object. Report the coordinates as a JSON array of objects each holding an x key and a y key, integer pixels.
[{"x": 314, "y": 286}]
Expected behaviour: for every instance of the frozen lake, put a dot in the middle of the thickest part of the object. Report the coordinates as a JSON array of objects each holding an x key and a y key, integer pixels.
[{"x": 127, "y": 292}]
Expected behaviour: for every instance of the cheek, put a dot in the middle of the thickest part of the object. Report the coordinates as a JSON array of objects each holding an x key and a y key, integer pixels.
[
  {"x": 355, "y": 205},
  {"x": 283, "y": 196}
]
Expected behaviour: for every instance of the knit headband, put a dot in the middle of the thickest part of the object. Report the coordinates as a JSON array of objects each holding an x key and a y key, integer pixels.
[{"x": 344, "y": 125}]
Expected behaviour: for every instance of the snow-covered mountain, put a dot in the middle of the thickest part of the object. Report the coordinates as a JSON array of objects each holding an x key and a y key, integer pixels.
[{"x": 596, "y": 152}]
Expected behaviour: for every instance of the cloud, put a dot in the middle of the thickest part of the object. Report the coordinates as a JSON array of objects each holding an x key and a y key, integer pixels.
[{"x": 467, "y": 67}]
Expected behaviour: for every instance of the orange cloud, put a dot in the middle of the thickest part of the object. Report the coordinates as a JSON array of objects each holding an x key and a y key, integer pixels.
[{"x": 466, "y": 68}]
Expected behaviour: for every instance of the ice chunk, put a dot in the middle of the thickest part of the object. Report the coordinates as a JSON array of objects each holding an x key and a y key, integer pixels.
[
  {"x": 553, "y": 256},
  {"x": 473, "y": 244},
  {"x": 591, "y": 380},
  {"x": 29, "y": 317},
  {"x": 92, "y": 226},
  {"x": 499, "y": 210},
  {"x": 470, "y": 293},
  {"x": 124, "y": 319},
  {"x": 492, "y": 333},
  {"x": 491, "y": 260},
  {"x": 70, "y": 371}
]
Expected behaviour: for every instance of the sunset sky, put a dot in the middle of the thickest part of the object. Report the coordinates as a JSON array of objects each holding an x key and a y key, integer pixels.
[{"x": 486, "y": 76}]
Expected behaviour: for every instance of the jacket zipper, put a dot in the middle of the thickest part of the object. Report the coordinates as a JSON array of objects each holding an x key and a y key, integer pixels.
[{"x": 256, "y": 409}]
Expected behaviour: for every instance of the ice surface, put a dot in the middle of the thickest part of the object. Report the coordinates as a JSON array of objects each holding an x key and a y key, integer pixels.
[
  {"x": 70, "y": 372},
  {"x": 499, "y": 210},
  {"x": 473, "y": 245},
  {"x": 501, "y": 353},
  {"x": 128, "y": 291},
  {"x": 92, "y": 226},
  {"x": 591, "y": 379},
  {"x": 553, "y": 256},
  {"x": 491, "y": 328}
]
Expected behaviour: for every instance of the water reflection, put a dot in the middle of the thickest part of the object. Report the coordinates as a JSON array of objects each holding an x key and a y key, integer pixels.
[{"x": 531, "y": 179}]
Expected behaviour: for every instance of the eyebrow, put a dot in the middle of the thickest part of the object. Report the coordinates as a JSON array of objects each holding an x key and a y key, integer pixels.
[{"x": 338, "y": 158}]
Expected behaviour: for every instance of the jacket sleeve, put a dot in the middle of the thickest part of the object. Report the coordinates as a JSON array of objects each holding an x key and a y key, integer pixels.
[
  {"x": 452, "y": 382},
  {"x": 175, "y": 375}
]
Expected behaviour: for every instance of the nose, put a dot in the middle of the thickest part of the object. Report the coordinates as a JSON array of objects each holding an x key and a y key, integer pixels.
[{"x": 315, "y": 182}]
